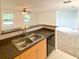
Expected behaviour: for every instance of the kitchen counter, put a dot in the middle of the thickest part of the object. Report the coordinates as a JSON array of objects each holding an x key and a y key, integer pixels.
[
  {"x": 9, "y": 51},
  {"x": 14, "y": 32},
  {"x": 20, "y": 29}
]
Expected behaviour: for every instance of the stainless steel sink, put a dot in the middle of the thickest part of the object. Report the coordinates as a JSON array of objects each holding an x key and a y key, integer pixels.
[
  {"x": 35, "y": 37},
  {"x": 22, "y": 43},
  {"x": 27, "y": 41}
]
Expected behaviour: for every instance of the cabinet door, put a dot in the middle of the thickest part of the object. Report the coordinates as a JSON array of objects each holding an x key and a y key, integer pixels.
[
  {"x": 17, "y": 57},
  {"x": 29, "y": 54},
  {"x": 42, "y": 49}
]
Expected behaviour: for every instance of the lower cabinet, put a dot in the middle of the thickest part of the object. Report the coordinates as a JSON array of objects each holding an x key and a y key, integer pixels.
[
  {"x": 38, "y": 51},
  {"x": 18, "y": 57},
  {"x": 42, "y": 49},
  {"x": 30, "y": 53},
  {"x": 29, "y": 56}
]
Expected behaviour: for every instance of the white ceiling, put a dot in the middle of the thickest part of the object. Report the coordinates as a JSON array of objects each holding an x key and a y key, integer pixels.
[{"x": 39, "y": 4}]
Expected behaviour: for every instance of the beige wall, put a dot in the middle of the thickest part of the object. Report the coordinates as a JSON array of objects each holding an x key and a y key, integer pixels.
[
  {"x": 47, "y": 17},
  {"x": 11, "y": 6},
  {"x": 37, "y": 17},
  {"x": 34, "y": 18},
  {"x": 0, "y": 20},
  {"x": 41, "y": 17},
  {"x": 19, "y": 20}
]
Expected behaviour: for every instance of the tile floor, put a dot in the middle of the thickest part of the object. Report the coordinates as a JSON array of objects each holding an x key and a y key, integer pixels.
[{"x": 57, "y": 54}]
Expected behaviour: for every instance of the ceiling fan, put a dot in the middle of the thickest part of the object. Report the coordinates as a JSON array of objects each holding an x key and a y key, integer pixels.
[{"x": 25, "y": 11}]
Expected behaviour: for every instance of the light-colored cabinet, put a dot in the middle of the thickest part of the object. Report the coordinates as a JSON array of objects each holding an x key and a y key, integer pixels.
[
  {"x": 29, "y": 56},
  {"x": 42, "y": 49},
  {"x": 38, "y": 51},
  {"x": 18, "y": 57},
  {"x": 30, "y": 53}
]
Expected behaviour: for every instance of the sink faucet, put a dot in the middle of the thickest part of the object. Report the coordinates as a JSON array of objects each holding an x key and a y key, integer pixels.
[{"x": 24, "y": 31}]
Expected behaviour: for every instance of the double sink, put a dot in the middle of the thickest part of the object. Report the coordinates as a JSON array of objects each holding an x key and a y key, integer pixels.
[{"x": 27, "y": 41}]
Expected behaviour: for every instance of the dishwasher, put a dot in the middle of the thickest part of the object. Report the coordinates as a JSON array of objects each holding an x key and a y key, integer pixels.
[{"x": 50, "y": 43}]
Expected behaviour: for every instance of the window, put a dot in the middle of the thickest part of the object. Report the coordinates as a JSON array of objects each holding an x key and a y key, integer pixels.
[
  {"x": 7, "y": 19},
  {"x": 27, "y": 18}
]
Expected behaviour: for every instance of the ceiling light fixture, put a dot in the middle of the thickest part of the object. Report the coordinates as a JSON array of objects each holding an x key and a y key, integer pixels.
[
  {"x": 67, "y": 1},
  {"x": 24, "y": 11}
]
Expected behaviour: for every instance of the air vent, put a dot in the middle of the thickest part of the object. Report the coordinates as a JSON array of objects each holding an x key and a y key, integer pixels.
[{"x": 67, "y": 1}]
